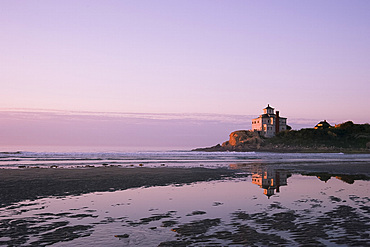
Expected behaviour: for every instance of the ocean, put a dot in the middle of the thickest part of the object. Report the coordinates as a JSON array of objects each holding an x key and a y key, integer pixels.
[{"x": 23, "y": 159}]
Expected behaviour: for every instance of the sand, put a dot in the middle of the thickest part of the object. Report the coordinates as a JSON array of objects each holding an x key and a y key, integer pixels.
[
  {"x": 343, "y": 224},
  {"x": 32, "y": 183}
]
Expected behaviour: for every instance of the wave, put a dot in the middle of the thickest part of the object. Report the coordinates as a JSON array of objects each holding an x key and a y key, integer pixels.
[{"x": 170, "y": 158}]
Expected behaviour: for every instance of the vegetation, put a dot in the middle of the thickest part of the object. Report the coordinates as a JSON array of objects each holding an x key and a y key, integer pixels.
[{"x": 346, "y": 135}]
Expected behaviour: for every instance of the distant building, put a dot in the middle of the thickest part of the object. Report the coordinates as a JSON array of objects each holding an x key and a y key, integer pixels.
[
  {"x": 322, "y": 125},
  {"x": 268, "y": 124}
]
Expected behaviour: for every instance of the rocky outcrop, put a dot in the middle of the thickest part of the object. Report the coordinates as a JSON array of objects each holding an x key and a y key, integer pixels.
[
  {"x": 345, "y": 138},
  {"x": 243, "y": 139},
  {"x": 240, "y": 140}
]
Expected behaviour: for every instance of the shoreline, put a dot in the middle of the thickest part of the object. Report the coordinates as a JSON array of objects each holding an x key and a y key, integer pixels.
[{"x": 219, "y": 148}]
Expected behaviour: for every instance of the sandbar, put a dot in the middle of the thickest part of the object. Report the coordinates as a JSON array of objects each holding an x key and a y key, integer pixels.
[{"x": 33, "y": 183}]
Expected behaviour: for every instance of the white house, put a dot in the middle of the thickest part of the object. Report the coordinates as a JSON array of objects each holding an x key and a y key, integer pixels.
[{"x": 268, "y": 124}]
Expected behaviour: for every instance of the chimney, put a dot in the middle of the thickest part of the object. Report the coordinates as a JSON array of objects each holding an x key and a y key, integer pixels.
[
  {"x": 277, "y": 177},
  {"x": 277, "y": 123}
]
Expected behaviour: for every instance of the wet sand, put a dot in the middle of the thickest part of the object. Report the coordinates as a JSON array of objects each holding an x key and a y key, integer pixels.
[
  {"x": 32, "y": 183},
  {"x": 316, "y": 219}
]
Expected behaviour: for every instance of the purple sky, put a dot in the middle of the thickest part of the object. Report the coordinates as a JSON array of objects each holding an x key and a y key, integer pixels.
[{"x": 203, "y": 68}]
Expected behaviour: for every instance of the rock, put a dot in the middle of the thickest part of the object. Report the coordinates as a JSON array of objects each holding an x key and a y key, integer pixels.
[
  {"x": 240, "y": 140},
  {"x": 122, "y": 236},
  {"x": 244, "y": 136}
]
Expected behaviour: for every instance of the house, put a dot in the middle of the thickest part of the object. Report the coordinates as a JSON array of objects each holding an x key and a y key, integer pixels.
[
  {"x": 268, "y": 124},
  {"x": 322, "y": 125}
]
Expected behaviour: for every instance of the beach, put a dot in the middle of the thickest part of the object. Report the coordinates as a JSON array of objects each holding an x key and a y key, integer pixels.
[
  {"x": 184, "y": 199},
  {"x": 31, "y": 183}
]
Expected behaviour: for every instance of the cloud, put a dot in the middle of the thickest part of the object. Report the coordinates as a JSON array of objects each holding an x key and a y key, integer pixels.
[
  {"x": 39, "y": 127},
  {"x": 80, "y": 128},
  {"x": 53, "y": 114}
]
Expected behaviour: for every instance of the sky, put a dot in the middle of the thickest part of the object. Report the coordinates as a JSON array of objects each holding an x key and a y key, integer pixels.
[{"x": 177, "y": 73}]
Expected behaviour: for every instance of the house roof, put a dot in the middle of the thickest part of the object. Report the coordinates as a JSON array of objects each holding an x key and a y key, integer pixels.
[
  {"x": 323, "y": 124},
  {"x": 269, "y": 107}
]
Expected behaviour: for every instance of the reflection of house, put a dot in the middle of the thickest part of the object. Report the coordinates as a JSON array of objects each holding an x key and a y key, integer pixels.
[
  {"x": 269, "y": 123},
  {"x": 270, "y": 180}
]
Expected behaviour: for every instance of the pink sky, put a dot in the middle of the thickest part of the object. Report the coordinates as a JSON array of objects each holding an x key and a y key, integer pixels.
[
  {"x": 309, "y": 59},
  {"x": 88, "y": 131}
]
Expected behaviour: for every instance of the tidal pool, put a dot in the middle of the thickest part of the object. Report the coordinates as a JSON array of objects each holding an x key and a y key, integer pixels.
[{"x": 268, "y": 207}]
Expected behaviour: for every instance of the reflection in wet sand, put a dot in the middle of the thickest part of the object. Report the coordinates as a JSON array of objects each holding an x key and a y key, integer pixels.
[
  {"x": 266, "y": 177},
  {"x": 213, "y": 213},
  {"x": 269, "y": 179}
]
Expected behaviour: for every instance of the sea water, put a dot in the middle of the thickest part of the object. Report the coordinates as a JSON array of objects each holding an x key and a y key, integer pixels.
[{"x": 168, "y": 158}]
